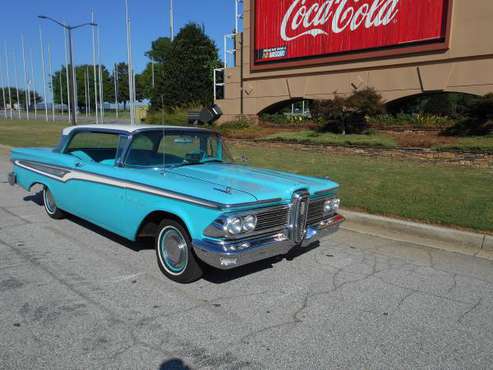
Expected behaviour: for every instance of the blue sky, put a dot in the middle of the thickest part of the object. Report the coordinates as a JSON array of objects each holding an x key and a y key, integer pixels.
[{"x": 149, "y": 21}]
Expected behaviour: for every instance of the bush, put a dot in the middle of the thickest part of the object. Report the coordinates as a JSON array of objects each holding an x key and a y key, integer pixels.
[
  {"x": 367, "y": 102},
  {"x": 347, "y": 115},
  {"x": 176, "y": 117},
  {"x": 286, "y": 120},
  {"x": 478, "y": 121},
  {"x": 229, "y": 128},
  {"x": 417, "y": 121}
]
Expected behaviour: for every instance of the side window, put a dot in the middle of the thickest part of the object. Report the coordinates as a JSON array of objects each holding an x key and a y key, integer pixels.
[{"x": 94, "y": 147}]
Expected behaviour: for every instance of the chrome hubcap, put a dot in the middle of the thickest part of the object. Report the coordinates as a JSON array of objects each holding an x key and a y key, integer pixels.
[
  {"x": 173, "y": 250},
  {"x": 49, "y": 202}
]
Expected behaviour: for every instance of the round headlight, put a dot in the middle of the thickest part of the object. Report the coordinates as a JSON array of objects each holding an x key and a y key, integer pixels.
[
  {"x": 336, "y": 204},
  {"x": 234, "y": 226},
  {"x": 249, "y": 223},
  {"x": 332, "y": 205},
  {"x": 328, "y": 206}
]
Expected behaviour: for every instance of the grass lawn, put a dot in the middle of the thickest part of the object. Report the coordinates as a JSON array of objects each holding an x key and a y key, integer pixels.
[
  {"x": 312, "y": 137},
  {"x": 409, "y": 189},
  {"x": 483, "y": 144},
  {"x": 30, "y": 133}
]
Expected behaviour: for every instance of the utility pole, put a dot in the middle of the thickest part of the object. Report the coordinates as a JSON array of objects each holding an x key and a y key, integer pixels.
[{"x": 69, "y": 30}]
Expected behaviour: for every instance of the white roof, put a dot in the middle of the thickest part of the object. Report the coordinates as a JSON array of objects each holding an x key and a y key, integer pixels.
[{"x": 123, "y": 127}]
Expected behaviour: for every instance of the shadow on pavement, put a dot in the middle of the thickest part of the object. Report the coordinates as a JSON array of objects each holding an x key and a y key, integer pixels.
[
  {"x": 217, "y": 276},
  {"x": 174, "y": 364}
]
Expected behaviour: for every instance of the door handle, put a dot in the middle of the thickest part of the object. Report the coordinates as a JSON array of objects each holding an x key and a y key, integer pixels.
[{"x": 79, "y": 164}]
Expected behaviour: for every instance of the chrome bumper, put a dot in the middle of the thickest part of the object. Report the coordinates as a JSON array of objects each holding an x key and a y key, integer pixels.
[
  {"x": 228, "y": 255},
  {"x": 12, "y": 178}
]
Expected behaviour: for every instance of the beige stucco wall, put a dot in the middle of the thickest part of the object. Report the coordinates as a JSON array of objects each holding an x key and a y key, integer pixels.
[{"x": 466, "y": 67}]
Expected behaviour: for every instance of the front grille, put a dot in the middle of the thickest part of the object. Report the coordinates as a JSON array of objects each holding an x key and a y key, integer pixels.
[
  {"x": 272, "y": 218},
  {"x": 299, "y": 215},
  {"x": 316, "y": 211}
]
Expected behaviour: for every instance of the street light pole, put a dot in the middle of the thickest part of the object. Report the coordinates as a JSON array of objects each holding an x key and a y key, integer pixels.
[{"x": 71, "y": 61}]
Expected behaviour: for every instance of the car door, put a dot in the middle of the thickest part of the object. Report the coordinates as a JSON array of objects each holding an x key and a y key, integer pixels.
[{"x": 96, "y": 191}]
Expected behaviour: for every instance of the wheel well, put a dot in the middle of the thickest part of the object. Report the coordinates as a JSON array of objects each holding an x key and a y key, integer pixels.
[
  {"x": 149, "y": 225},
  {"x": 36, "y": 184}
]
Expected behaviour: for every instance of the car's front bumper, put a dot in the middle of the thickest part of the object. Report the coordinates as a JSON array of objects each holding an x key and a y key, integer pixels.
[{"x": 228, "y": 255}]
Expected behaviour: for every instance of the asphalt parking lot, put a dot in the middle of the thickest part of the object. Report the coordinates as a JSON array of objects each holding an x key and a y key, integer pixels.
[{"x": 74, "y": 296}]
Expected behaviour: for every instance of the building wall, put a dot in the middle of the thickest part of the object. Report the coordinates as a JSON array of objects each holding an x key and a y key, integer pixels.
[{"x": 466, "y": 67}]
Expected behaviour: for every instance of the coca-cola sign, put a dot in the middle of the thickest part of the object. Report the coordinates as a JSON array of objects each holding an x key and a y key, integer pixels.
[{"x": 284, "y": 30}]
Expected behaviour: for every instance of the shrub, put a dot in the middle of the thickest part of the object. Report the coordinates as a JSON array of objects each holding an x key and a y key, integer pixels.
[
  {"x": 286, "y": 120},
  {"x": 347, "y": 115},
  {"x": 386, "y": 121},
  {"x": 178, "y": 117},
  {"x": 478, "y": 121},
  {"x": 367, "y": 102},
  {"x": 439, "y": 104}
]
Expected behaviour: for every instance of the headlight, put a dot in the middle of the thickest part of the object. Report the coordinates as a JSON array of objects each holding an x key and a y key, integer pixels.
[
  {"x": 249, "y": 223},
  {"x": 234, "y": 225},
  {"x": 332, "y": 205}
]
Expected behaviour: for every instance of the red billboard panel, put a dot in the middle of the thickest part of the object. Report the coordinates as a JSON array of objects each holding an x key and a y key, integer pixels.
[{"x": 287, "y": 30}]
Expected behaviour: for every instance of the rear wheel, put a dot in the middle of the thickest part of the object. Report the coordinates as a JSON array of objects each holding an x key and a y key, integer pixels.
[
  {"x": 174, "y": 252},
  {"x": 50, "y": 205}
]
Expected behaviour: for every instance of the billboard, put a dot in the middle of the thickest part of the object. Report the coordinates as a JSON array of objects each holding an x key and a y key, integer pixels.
[{"x": 306, "y": 32}]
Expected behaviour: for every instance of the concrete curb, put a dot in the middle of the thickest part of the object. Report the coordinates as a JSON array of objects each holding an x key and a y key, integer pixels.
[{"x": 458, "y": 241}]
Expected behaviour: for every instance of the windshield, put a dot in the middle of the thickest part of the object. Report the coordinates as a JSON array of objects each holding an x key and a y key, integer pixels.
[{"x": 173, "y": 148}]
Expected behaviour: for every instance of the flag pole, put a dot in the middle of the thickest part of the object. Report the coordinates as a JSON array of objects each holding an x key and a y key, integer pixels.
[
  {"x": 27, "y": 93},
  {"x": 8, "y": 81},
  {"x": 43, "y": 71},
  {"x": 16, "y": 74},
  {"x": 34, "y": 85},
  {"x": 50, "y": 66}
]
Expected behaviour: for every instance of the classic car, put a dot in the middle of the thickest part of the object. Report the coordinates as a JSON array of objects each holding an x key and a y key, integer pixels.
[{"x": 180, "y": 186}]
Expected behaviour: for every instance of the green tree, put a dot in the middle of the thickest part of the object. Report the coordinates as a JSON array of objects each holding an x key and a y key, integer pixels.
[
  {"x": 84, "y": 73},
  {"x": 22, "y": 97},
  {"x": 122, "y": 85},
  {"x": 183, "y": 70}
]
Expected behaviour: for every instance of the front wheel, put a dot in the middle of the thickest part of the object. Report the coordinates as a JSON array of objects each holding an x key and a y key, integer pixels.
[
  {"x": 174, "y": 252},
  {"x": 50, "y": 205}
]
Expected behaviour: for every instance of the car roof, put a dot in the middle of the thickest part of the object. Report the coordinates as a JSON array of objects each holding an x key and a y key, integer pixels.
[{"x": 127, "y": 128}]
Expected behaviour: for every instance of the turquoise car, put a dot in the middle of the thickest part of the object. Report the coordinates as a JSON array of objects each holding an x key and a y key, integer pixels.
[{"x": 180, "y": 186}]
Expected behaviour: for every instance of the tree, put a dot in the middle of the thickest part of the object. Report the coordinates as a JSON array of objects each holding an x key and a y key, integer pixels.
[
  {"x": 83, "y": 73},
  {"x": 22, "y": 97},
  {"x": 123, "y": 92},
  {"x": 184, "y": 73}
]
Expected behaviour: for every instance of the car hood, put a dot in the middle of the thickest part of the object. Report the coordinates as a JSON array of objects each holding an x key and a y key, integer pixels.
[{"x": 263, "y": 184}]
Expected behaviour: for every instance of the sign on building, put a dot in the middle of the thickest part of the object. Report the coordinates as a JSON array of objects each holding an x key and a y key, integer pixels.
[{"x": 290, "y": 33}]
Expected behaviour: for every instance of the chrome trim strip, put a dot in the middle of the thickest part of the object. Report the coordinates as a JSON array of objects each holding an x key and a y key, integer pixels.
[{"x": 64, "y": 174}]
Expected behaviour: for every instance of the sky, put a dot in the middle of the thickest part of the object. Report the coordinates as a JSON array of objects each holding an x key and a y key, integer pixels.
[{"x": 150, "y": 20}]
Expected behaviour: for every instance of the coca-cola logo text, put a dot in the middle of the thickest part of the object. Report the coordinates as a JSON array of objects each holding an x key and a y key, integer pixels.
[{"x": 335, "y": 16}]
